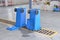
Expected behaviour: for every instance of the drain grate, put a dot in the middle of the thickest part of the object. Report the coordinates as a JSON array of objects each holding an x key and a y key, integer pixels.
[{"x": 47, "y": 32}]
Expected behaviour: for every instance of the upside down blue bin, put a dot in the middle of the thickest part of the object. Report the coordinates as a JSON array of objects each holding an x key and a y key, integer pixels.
[
  {"x": 56, "y": 9},
  {"x": 33, "y": 23},
  {"x": 20, "y": 19}
]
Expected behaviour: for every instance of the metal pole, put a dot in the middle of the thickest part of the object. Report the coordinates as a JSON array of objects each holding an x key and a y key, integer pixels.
[{"x": 30, "y": 4}]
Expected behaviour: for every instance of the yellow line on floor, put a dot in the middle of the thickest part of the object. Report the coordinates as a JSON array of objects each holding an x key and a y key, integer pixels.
[{"x": 10, "y": 23}]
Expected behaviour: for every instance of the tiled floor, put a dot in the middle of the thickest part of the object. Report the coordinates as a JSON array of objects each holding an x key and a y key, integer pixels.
[{"x": 49, "y": 20}]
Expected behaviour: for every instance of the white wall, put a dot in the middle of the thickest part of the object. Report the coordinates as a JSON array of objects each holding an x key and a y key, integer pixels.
[{"x": 19, "y": 1}]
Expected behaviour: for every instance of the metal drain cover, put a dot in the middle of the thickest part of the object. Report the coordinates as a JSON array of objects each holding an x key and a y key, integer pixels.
[{"x": 47, "y": 32}]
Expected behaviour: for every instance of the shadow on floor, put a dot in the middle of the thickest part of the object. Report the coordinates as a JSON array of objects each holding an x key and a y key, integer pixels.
[{"x": 25, "y": 32}]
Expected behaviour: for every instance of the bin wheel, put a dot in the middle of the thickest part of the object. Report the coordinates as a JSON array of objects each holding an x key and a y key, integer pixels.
[
  {"x": 15, "y": 9},
  {"x": 28, "y": 11}
]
